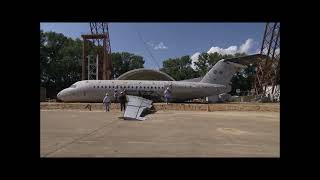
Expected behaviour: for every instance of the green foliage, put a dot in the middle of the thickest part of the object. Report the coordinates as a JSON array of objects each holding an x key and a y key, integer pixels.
[
  {"x": 61, "y": 61},
  {"x": 123, "y": 62},
  {"x": 207, "y": 60},
  {"x": 179, "y": 68},
  {"x": 243, "y": 80}
]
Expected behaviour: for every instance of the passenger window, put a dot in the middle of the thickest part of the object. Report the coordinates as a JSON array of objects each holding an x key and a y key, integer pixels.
[
  {"x": 97, "y": 86},
  {"x": 94, "y": 86}
]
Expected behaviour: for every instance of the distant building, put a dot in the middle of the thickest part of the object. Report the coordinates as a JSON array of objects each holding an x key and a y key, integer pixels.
[{"x": 145, "y": 74}]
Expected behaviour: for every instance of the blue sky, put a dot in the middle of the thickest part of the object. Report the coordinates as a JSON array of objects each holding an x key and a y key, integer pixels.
[{"x": 170, "y": 40}]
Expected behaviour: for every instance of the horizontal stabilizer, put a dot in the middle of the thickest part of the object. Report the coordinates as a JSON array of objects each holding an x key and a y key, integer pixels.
[{"x": 246, "y": 60}]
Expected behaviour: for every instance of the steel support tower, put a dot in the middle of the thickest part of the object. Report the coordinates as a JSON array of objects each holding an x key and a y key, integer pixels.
[
  {"x": 268, "y": 70},
  {"x": 100, "y": 66}
]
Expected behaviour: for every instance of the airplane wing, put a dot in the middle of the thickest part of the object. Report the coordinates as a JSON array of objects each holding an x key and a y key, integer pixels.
[{"x": 135, "y": 106}]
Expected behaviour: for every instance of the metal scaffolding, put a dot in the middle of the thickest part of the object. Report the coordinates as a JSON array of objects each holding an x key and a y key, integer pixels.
[
  {"x": 102, "y": 66},
  {"x": 93, "y": 67},
  {"x": 268, "y": 70}
]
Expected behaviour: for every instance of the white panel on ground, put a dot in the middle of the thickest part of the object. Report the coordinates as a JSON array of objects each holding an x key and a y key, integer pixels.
[{"x": 135, "y": 106}]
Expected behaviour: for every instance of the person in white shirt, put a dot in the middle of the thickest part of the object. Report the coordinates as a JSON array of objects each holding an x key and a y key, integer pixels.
[
  {"x": 107, "y": 101},
  {"x": 167, "y": 95}
]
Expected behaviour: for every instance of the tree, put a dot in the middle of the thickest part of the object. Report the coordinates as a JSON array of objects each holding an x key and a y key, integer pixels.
[
  {"x": 43, "y": 58},
  {"x": 60, "y": 61},
  {"x": 207, "y": 60},
  {"x": 123, "y": 62},
  {"x": 243, "y": 80},
  {"x": 179, "y": 68}
]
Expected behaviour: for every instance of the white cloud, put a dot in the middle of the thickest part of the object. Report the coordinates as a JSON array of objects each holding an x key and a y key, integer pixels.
[
  {"x": 160, "y": 46},
  {"x": 194, "y": 58},
  {"x": 244, "y": 48},
  {"x": 229, "y": 50}
]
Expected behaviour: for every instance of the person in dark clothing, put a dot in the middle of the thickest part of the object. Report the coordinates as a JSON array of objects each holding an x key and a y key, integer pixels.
[{"x": 122, "y": 100}]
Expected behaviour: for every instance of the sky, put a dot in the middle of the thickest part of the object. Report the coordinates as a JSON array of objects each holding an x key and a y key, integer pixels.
[{"x": 156, "y": 42}]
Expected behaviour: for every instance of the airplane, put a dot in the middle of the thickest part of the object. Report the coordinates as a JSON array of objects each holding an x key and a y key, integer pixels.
[{"x": 215, "y": 82}]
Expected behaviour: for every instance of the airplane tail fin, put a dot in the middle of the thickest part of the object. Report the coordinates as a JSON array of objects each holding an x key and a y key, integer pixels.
[{"x": 223, "y": 70}]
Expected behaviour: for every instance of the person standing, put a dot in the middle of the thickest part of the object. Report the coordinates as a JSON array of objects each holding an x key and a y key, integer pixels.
[
  {"x": 107, "y": 101},
  {"x": 122, "y": 100},
  {"x": 167, "y": 94},
  {"x": 115, "y": 95}
]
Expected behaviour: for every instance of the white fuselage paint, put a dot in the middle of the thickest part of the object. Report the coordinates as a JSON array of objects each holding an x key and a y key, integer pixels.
[
  {"x": 95, "y": 90},
  {"x": 215, "y": 82}
]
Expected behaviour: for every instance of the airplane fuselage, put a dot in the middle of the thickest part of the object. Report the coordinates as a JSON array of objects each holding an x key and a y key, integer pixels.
[{"x": 95, "y": 90}]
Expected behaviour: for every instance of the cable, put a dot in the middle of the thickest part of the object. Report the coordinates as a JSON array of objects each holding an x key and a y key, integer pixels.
[{"x": 154, "y": 60}]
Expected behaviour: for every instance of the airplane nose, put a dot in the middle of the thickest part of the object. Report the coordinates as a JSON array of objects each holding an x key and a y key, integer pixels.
[{"x": 60, "y": 96}]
